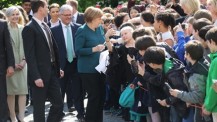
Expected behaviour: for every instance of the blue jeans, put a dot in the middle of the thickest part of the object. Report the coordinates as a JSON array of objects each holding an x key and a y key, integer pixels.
[
  {"x": 190, "y": 117},
  {"x": 174, "y": 115}
]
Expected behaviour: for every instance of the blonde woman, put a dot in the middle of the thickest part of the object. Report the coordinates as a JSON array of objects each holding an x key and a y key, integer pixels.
[
  {"x": 212, "y": 7},
  {"x": 17, "y": 84},
  {"x": 190, "y": 7},
  {"x": 89, "y": 40},
  {"x": 54, "y": 14}
]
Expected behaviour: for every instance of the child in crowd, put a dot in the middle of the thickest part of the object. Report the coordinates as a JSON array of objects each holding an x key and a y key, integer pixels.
[
  {"x": 147, "y": 19},
  {"x": 163, "y": 24},
  {"x": 202, "y": 34},
  {"x": 210, "y": 104},
  {"x": 189, "y": 34},
  {"x": 134, "y": 12},
  {"x": 155, "y": 57},
  {"x": 107, "y": 21},
  {"x": 120, "y": 73},
  {"x": 179, "y": 34},
  {"x": 198, "y": 24},
  {"x": 196, "y": 77},
  {"x": 144, "y": 93}
]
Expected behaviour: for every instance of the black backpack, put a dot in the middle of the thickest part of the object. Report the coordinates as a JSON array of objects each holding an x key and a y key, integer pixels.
[{"x": 175, "y": 78}]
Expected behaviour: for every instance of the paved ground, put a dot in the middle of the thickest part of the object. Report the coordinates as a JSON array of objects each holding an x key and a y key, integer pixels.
[{"x": 69, "y": 117}]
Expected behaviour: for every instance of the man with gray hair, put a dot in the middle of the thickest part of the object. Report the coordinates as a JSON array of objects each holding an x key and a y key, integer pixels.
[{"x": 64, "y": 35}]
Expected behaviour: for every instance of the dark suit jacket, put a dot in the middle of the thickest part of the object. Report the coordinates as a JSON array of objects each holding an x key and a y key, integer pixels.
[
  {"x": 6, "y": 50},
  {"x": 60, "y": 40},
  {"x": 37, "y": 53},
  {"x": 80, "y": 19}
]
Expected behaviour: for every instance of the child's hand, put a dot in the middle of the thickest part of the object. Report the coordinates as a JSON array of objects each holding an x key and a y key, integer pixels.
[
  {"x": 132, "y": 86},
  {"x": 129, "y": 59},
  {"x": 205, "y": 112},
  {"x": 174, "y": 92},
  {"x": 179, "y": 28},
  {"x": 162, "y": 102},
  {"x": 139, "y": 83},
  {"x": 141, "y": 68},
  {"x": 109, "y": 33}
]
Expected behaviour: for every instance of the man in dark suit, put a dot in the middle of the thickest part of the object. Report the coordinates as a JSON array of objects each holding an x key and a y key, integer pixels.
[
  {"x": 64, "y": 35},
  {"x": 6, "y": 67},
  {"x": 42, "y": 58},
  {"x": 77, "y": 16}
]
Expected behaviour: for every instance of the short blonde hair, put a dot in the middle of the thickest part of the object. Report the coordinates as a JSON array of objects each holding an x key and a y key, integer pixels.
[
  {"x": 214, "y": 2},
  {"x": 92, "y": 13},
  {"x": 9, "y": 11},
  {"x": 128, "y": 28},
  {"x": 191, "y": 5},
  {"x": 54, "y": 5}
]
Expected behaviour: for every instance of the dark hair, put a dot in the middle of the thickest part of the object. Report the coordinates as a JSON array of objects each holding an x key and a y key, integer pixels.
[
  {"x": 127, "y": 24},
  {"x": 203, "y": 13},
  {"x": 36, "y": 4},
  {"x": 166, "y": 18},
  {"x": 23, "y": 1},
  {"x": 136, "y": 8},
  {"x": 198, "y": 24},
  {"x": 147, "y": 17},
  {"x": 154, "y": 55},
  {"x": 212, "y": 35},
  {"x": 194, "y": 49},
  {"x": 144, "y": 42},
  {"x": 119, "y": 19},
  {"x": 204, "y": 30},
  {"x": 141, "y": 32}
]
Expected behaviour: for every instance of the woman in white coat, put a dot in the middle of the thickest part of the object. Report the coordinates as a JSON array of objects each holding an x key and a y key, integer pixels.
[{"x": 17, "y": 84}]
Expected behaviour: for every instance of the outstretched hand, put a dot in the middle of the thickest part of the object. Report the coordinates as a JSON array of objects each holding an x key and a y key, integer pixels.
[{"x": 141, "y": 68}]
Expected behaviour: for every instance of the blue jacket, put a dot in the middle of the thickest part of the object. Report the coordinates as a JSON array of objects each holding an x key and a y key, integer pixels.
[{"x": 179, "y": 47}]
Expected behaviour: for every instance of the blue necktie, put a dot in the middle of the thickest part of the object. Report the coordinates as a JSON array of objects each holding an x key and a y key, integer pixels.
[{"x": 69, "y": 44}]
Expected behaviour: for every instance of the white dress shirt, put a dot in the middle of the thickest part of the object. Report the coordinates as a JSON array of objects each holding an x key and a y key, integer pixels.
[
  {"x": 64, "y": 27},
  {"x": 54, "y": 24},
  {"x": 40, "y": 24},
  {"x": 75, "y": 16}
]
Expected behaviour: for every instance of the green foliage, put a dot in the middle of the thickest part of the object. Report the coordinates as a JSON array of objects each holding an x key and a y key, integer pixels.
[
  {"x": 8, "y": 3},
  {"x": 83, "y": 4}
]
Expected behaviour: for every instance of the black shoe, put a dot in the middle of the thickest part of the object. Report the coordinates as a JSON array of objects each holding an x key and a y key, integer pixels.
[
  {"x": 62, "y": 115},
  {"x": 26, "y": 111}
]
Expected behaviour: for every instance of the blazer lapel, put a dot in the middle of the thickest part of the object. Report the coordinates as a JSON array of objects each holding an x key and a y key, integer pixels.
[
  {"x": 41, "y": 31},
  {"x": 73, "y": 34},
  {"x": 60, "y": 30}
]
